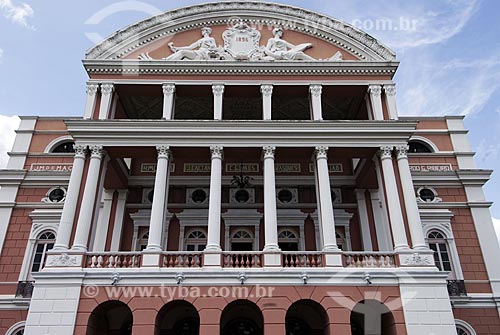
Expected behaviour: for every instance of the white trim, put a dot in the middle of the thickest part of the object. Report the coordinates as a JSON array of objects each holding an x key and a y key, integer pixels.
[
  {"x": 16, "y": 327},
  {"x": 56, "y": 142},
  {"x": 431, "y": 144},
  {"x": 466, "y": 326}
]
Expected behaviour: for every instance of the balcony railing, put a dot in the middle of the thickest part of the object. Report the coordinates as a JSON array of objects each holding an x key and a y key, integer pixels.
[
  {"x": 181, "y": 260},
  {"x": 456, "y": 288},
  {"x": 242, "y": 259},
  {"x": 369, "y": 260},
  {"x": 302, "y": 259},
  {"x": 113, "y": 260}
]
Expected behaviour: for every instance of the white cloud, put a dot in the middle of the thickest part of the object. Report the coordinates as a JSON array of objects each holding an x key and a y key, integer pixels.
[
  {"x": 1, "y": 54},
  {"x": 8, "y": 124},
  {"x": 405, "y": 24},
  {"x": 17, "y": 13}
]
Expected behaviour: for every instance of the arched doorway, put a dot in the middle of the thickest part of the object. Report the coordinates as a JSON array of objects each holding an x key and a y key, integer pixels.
[
  {"x": 371, "y": 317},
  {"x": 306, "y": 317},
  {"x": 110, "y": 318},
  {"x": 177, "y": 318},
  {"x": 242, "y": 317}
]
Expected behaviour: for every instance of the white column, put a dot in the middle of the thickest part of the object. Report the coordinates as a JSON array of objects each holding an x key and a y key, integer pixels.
[
  {"x": 159, "y": 196},
  {"x": 71, "y": 202},
  {"x": 91, "y": 90},
  {"x": 381, "y": 222},
  {"x": 101, "y": 232},
  {"x": 168, "y": 101},
  {"x": 325, "y": 199},
  {"x": 376, "y": 100},
  {"x": 89, "y": 199},
  {"x": 218, "y": 91},
  {"x": 364, "y": 221},
  {"x": 393, "y": 204},
  {"x": 106, "y": 100},
  {"x": 214, "y": 206},
  {"x": 118, "y": 224},
  {"x": 270, "y": 214},
  {"x": 412, "y": 213},
  {"x": 315, "y": 91},
  {"x": 267, "y": 93},
  {"x": 390, "y": 100}
]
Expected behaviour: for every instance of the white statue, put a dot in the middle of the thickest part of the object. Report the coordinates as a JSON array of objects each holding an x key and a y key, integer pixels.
[
  {"x": 203, "y": 49},
  {"x": 279, "y": 49}
]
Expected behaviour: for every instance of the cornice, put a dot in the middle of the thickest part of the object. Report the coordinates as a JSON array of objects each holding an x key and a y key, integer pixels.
[
  {"x": 219, "y": 68},
  {"x": 336, "y": 32},
  {"x": 240, "y": 133}
]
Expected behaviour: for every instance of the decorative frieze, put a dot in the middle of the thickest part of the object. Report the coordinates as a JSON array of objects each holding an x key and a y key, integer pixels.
[
  {"x": 332, "y": 168},
  {"x": 51, "y": 167},
  {"x": 429, "y": 168}
]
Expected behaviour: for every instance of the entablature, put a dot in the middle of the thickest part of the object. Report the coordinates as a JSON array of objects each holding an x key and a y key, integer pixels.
[{"x": 121, "y": 133}]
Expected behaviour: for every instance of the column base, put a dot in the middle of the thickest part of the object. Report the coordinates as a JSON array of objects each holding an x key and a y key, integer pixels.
[
  {"x": 414, "y": 258},
  {"x": 212, "y": 259}
]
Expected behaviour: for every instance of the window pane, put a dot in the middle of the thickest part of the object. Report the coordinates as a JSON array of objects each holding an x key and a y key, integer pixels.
[
  {"x": 35, "y": 267},
  {"x": 201, "y": 247},
  {"x": 447, "y": 266},
  {"x": 190, "y": 247},
  {"x": 433, "y": 246},
  {"x": 444, "y": 256}
]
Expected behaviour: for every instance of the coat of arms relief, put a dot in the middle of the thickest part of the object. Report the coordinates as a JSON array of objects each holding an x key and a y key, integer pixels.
[{"x": 242, "y": 43}]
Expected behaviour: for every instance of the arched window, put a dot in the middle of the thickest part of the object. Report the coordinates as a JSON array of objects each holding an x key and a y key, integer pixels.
[
  {"x": 65, "y": 147},
  {"x": 242, "y": 240},
  {"x": 418, "y": 147},
  {"x": 17, "y": 329},
  {"x": 288, "y": 240},
  {"x": 110, "y": 317},
  {"x": 439, "y": 245},
  {"x": 196, "y": 240},
  {"x": 44, "y": 243},
  {"x": 463, "y": 328}
]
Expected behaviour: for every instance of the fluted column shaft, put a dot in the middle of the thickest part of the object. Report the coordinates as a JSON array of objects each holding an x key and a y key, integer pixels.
[
  {"x": 214, "y": 205},
  {"x": 168, "y": 101},
  {"x": 325, "y": 200},
  {"x": 267, "y": 92},
  {"x": 159, "y": 199},
  {"x": 70, "y": 204},
  {"x": 89, "y": 199},
  {"x": 315, "y": 91},
  {"x": 393, "y": 203},
  {"x": 412, "y": 213},
  {"x": 218, "y": 91},
  {"x": 270, "y": 213}
]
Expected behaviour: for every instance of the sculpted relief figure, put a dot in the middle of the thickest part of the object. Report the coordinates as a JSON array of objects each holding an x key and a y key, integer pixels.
[
  {"x": 241, "y": 43},
  {"x": 279, "y": 49},
  {"x": 203, "y": 49}
]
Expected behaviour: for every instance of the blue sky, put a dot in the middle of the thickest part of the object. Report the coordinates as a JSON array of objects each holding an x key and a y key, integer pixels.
[{"x": 449, "y": 52}]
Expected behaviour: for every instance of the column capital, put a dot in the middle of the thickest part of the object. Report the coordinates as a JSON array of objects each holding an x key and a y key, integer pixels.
[
  {"x": 218, "y": 90},
  {"x": 97, "y": 151},
  {"x": 360, "y": 193},
  {"x": 266, "y": 90},
  {"x": 321, "y": 152},
  {"x": 80, "y": 150},
  {"x": 168, "y": 89},
  {"x": 402, "y": 151},
  {"x": 269, "y": 151},
  {"x": 385, "y": 152},
  {"x": 316, "y": 90},
  {"x": 390, "y": 89},
  {"x": 217, "y": 152},
  {"x": 91, "y": 88},
  {"x": 107, "y": 88},
  {"x": 163, "y": 151},
  {"x": 375, "y": 90}
]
